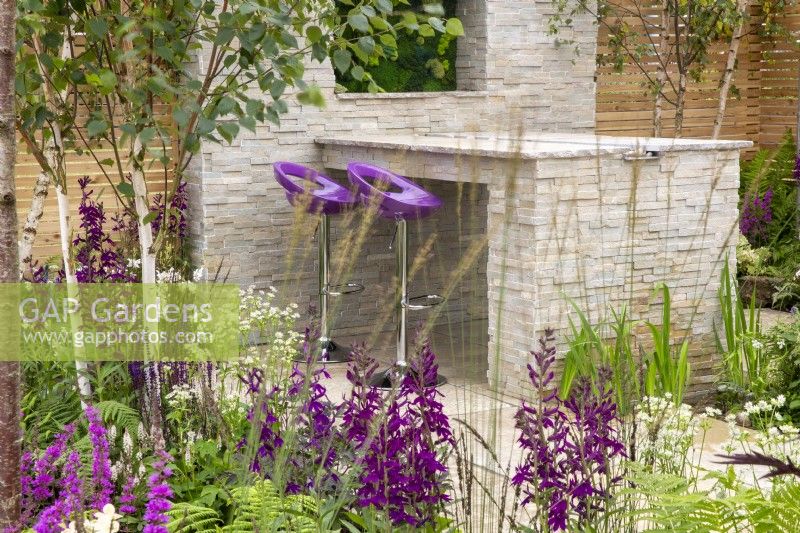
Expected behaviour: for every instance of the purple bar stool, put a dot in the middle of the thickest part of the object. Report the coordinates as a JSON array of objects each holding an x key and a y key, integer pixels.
[
  {"x": 320, "y": 195},
  {"x": 400, "y": 199}
]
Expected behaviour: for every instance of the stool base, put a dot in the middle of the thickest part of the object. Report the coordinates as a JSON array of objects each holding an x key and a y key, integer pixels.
[
  {"x": 391, "y": 377},
  {"x": 331, "y": 353}
]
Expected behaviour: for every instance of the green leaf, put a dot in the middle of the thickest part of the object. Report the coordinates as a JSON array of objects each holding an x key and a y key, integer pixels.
[
  {"x": 108, "y": 81},
  {"x": 181, "y": 117},
  {"x": 146, "y": 135},
  {"x": 96, "y": 127},
  {"x": 224, "y": 36},
  {"x": 425, "y": 30},
  {"x": 248, "y": 123},
  {"x": 367, "y": 44},
  {"x": 277, "y": 88},
  {"x": 358, "y": 22},
  {"x": 205, "y": 126},
  {"x": 437, "y": 24},
  {"x": 314, "y": 34},
  {"x": 125, "y": 189},
  {"x": 342, "y": 59},
  {"x": 149, "y": 217},
  {"x": 387, "y": 39},
  {"x": 228, "y": 130},
  {"x": 225, "y": 105},
  {"x": 357, "y": 72},
  {"x": 97, "y": 27},
  {"x": 311, "y": 96},
  {"x": 410, "y": 20},
  {"x": 107, "y": 162},
  {"x": 384, "y": 6},
  {"x": 454, "y": 27}
]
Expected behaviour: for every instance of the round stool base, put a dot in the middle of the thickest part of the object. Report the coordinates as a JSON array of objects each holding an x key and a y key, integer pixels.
[
  {"x": 331, "y": 354},
  {"x": 391, "y": 377}
]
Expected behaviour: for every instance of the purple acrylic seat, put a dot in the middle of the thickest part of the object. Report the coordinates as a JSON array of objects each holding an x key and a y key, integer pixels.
[
  {"x": 322, "y": 195},
  {"x": 400, "y": 199},
  {"x": 393, "y": 196}
]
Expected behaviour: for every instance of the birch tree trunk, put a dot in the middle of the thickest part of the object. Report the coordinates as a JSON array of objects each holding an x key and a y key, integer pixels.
[
  {"x": 680, "y": 104},
  {"x": 31, "y": 227},
  {"x": 10, "y": 429},
  {"x": 145, "y": 230},
  {"x": 55, "y": 156},
  {"x": 661, "y": 73},
  {"x": 142, "y": 206},
  {"x": 727, "y": 77}
]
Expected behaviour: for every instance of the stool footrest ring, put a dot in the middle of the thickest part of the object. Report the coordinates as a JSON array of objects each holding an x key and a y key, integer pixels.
[
  {"x": 425, "y": 301},
  {"x": 344, "y": 288}
]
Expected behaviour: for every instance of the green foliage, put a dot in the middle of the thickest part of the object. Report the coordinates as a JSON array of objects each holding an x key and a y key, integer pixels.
[
  {"x": 772, "y": 169},
  {"x": 588, "y": 351},
  {"x": 255, "y": 508},
  {"x": 50, "y": 400},
  {"x": 666, "y": 372},
  {"x": 150, "y": 100},
  {"x": 422, "y": 62},
  {"x": 119, "y": 415},
  {"x": 669, "y": 503},
  {"x": 744, "y": 356},
  {"x": 751, "y": 261},
  {"x": 782, "y": 342}
]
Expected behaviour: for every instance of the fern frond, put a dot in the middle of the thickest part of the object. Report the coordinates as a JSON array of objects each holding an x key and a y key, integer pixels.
[
  {"x": 187, "y": 517},
  {"x": 121, "y": 415}
]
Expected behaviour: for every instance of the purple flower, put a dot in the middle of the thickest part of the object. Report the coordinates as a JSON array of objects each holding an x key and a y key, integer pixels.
[
  {"x": 403, "y": 466},
  {"x": 45, "y": 467},
  {"x": 175, "y": 214},
  {"x": 97, "y": 257},
  {"x": 101, "y": 461},
  {"x": 158, "y": 496},
  {"x": 568, "y": 446},
  {"x": 127, "y": 499},
  {"x": 365, "y": 402},
  {"x": 70, "y": 500},
  {"x": 756, "y": 216}
]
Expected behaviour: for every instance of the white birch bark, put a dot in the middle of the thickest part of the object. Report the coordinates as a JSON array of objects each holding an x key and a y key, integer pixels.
[
  {"x": 730, "y": 65},
  {"x": 31, "y": 227}
]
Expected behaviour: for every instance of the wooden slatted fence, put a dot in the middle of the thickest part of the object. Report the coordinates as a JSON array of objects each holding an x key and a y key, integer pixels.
[{"x": 761, "y": 108}]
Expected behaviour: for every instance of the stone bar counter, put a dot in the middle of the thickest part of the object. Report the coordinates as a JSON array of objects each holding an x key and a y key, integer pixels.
[{"x": 597, "y": 220}]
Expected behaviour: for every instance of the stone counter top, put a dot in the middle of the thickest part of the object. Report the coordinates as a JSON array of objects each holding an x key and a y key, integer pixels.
[{"x": 530, "y": 146}]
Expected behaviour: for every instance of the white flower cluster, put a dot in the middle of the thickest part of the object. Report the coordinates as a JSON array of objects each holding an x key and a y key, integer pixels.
[
  {"x": 180, "y": 395},
  {"x": 105, "y": 521},
  {"x": 665, "y": 433},
  {"x": 764, "y": 406},
  {"x": 173, "y": 276},
  {"x": 267, "y": 324},
  {"x": 771, "y": 437}
]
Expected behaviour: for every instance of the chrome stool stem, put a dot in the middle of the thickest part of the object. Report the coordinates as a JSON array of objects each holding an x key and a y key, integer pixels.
[
  {"x": 401, "y": 256},
  {"x": 324, "y": 278},
  {"x": 330, "y": 351}
]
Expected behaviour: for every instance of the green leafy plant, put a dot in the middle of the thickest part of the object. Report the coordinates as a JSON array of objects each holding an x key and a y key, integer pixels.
[
  {"x": 417, "y": 61},
  {"x": 751, "y": 261},
  {"x": 744, "y": 355},
  {"x": 771, "y": 170},
  {"x": 667, "y": 369},
  {"x": 588, "y": 351},
  {"x": 258, "y": 507}
]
